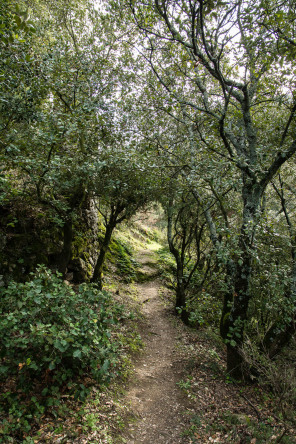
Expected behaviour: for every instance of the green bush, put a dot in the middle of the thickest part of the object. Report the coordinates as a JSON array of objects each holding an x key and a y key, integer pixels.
[{"x": 48, "y": 328}]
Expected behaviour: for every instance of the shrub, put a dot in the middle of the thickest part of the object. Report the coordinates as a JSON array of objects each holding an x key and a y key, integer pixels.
[
  {"x": 48, "y": 328},
  {"x": 204, "y": 308}
]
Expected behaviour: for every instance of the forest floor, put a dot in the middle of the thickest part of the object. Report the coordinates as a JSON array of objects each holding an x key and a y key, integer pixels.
[
  {"x": 172, "y": 385},
  {"x": 157, "y": 402},
  {"x": 178, "y": 392}
]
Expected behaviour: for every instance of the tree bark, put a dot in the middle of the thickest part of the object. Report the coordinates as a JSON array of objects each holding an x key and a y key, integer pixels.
[
  {"x": 228, "y": 298},
  {"x": 66, "y": 252},
  {"x": 252, "y": 194},
  {"x": 98, "y": 270},
  {"x": 181, "y": 298},
  {"x": 278, "y": 337},
  {"x": 234, "y": 362},
  {"x": 180, "y": 303}
]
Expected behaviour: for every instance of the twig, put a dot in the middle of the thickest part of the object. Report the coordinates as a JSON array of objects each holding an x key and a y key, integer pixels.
[
  {"x": 251, "y": 404},
  {"x": 282, "y": 435}
]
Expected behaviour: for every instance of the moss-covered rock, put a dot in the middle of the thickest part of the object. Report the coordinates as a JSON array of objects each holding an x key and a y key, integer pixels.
[{"x": 86, "y": 244}]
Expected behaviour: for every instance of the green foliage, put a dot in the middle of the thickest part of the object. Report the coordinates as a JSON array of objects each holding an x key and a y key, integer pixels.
[
  {"x": 234, "y": 333},
  {"x": 185, "y": 385},
  {"x": 166, "y": 258},
  {"x": 204, "y": 309},
  {"x": 196, "y": 422},
  {"x": 73, "y": 125},
  {"x": 51, "y": 335},
  {"x": 47, "y": 326},
  {"x": 203, "y": 306},
  {"x": 14, "y": 24},
  {"x": 273, "y": 273},
  {"x": 150, "y": 234},
  {"x": 168, "y": 266}
]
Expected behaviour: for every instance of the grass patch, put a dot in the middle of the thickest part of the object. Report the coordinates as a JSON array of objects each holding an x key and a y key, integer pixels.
[{"x": 121, "y": 255}]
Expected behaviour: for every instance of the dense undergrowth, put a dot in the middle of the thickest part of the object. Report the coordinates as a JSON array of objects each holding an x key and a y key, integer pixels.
[
  {"x": 53, "y": 336},
  {"x": 260, "y": 410},
  {"x": 61, "y": 345},
  {"x": 67, "y": 352}
]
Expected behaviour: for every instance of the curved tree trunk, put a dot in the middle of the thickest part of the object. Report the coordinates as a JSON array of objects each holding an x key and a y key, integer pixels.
[
  {"x": 98, "y": 270},
  {"x": 115, "y": 217},
  {"x": 181, "y": 297},
  {"x": 180, "y": 304}
]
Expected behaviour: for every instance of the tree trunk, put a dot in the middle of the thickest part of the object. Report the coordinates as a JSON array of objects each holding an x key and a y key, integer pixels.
[
  {"x": 234, "y": 362},
  {"x": 252, "y": 194},
  {"x": 65, "y": 255},
  {"x": 98, "y": 270},
  {"x": 181, "y": 297},
  {"x": 278, "y": 337},
  {"x": 180, "y": 291},
  {"x": 228, "y": 298}
]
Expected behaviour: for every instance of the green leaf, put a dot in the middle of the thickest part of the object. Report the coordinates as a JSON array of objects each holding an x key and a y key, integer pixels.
[
  {"x": 77, "y": 354},
  {"x": 52, "y": 366}
]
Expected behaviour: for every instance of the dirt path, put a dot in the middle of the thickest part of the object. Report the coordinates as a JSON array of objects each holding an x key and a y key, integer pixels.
[{"x": 157, "y": 402}]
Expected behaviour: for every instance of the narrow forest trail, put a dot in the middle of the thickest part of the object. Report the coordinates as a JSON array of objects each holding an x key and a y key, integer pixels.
[{"x": 157, "y": 402}]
